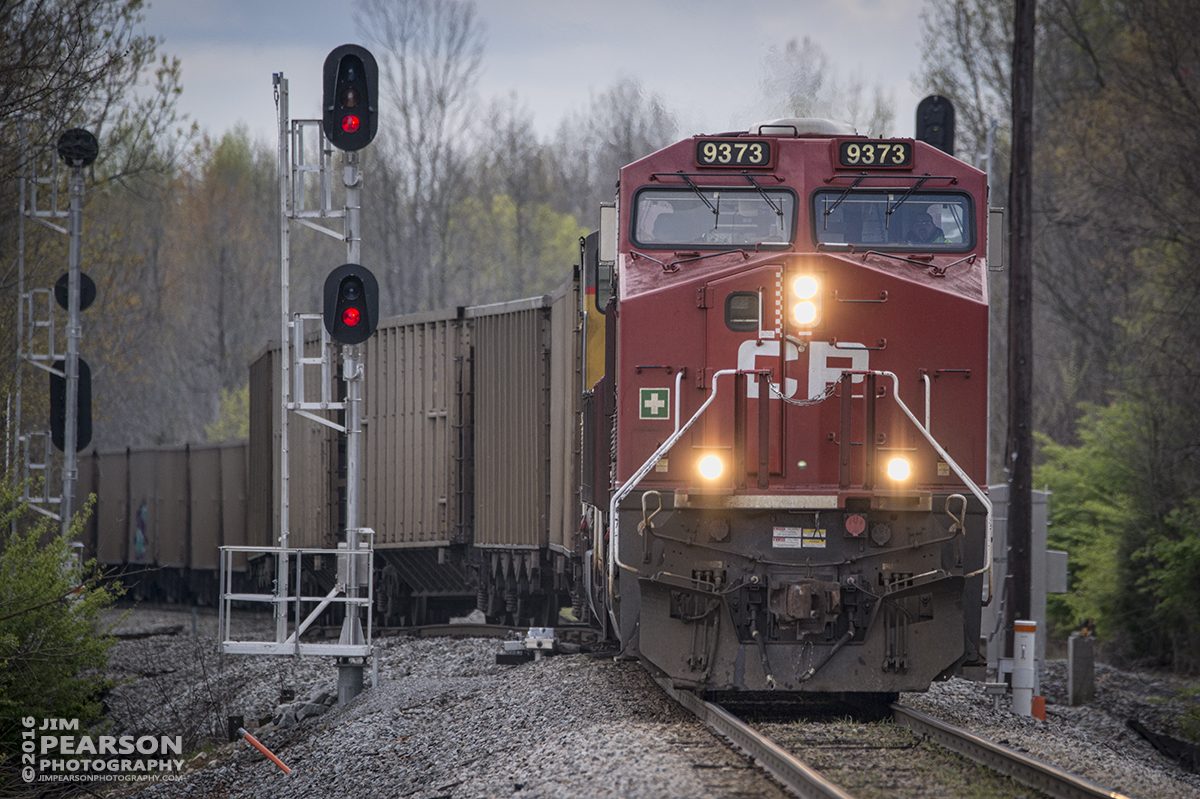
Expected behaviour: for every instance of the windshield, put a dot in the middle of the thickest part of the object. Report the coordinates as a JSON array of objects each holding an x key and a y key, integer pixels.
[
  {"x": 713, "y": 217},
  {"x": 893, "y": 219}
]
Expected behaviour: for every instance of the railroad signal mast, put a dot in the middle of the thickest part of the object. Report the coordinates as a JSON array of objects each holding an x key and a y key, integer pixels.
[
  {"x": 350, "y": 314},
  {"x": 70, "y": 377}
]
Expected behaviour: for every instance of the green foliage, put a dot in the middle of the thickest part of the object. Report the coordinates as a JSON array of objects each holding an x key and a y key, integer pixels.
[
  {"x": 1131, "y": 530},
  {"x": 1091, "y": 509},
  {"x": 51, "y": 639},
  {"x": 233, "y": 418},
  {"x": 510, "y": 250},
  {"x": 1189, "y": 724},
  {"x": 1174, "y": 577}
]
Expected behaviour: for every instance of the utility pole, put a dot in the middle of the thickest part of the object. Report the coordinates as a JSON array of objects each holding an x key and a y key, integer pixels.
[{"x": 1020, "y": 325}]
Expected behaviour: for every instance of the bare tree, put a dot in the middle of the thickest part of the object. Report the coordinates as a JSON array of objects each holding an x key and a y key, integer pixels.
[
  {"x": 799, "y": 82},
  {"x": 76, "y": 63},
  {"x": 65, "y": 62},
  {"x": 619, "y": 126},
  {"x": 430, "y": 53},
  {"x": 509, "y": 240},
  {"x": 512, "y": 177},
  {"x": 967, "y": 56}
]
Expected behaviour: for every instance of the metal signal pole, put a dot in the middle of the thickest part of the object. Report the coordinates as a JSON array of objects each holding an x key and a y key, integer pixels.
[
  {"x": 285, "y": 359},
  {"x": 71, "y": 425},
  {"x": 78, "y": 148},
  {"x": 1020, "y": 326},
  {"x": 352, "y": 373},
  {"x": 359, "y": 298}
]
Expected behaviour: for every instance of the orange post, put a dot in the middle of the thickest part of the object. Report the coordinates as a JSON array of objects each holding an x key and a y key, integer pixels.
[{"x": 270, "y": 755}]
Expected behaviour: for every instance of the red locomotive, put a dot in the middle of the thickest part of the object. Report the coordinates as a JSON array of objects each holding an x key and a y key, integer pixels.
[{"x": 784, "y": 457}]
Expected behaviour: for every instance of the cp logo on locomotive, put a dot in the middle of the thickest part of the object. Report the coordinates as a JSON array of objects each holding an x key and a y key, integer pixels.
[{"x": 826, "y": 362}]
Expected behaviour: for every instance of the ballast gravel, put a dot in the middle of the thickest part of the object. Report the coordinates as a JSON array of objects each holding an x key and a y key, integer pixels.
[
  {"x": 446, "y": 721},
  {"x": 1091, "y": 741}
]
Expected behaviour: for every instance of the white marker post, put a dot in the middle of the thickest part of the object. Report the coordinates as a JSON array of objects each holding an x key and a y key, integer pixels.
[{"x": 1024, "y": 665}]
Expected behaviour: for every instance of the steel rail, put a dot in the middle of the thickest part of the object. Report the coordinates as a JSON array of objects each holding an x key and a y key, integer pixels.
[
  {"x": 782, "y": 765},
  {"x": 1026, "y": 770},
  {"x": 807, "y": 783}
]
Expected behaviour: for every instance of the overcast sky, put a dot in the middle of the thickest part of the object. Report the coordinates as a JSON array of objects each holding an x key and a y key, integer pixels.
[{"x": 704, "y": 57}]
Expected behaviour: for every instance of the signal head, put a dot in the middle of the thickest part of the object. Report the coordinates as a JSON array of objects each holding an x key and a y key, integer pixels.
[
  {"x": 78, "y": 147},
  {"x": 83, "y": 406},
  {"x": 350, "y": 100},
  {"x": 351, "y": 310},
  {"x": 87, "y": 291},
  {"x": 935, "y": 122}
]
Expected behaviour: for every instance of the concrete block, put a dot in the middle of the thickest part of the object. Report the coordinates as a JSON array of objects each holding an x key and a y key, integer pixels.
[
  {"x": 309, "y": 709},
  {"x": 1081, "y": 669}
]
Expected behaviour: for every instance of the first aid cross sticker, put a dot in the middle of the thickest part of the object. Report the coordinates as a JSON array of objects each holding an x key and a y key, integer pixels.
[{"x": 655, "y": 403}]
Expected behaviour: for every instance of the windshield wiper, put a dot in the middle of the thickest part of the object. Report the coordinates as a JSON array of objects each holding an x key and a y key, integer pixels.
[
  {"x": 699, "y": 193},
  {"x": 778, "y": 211},
  {"x": 843, "y": 196},
  {"x": 893, "y": 208}
]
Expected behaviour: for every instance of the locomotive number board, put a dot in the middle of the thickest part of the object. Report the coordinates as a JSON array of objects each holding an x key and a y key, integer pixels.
[
  {"x": 733, "y": 152},
  {"x": 875, "y": 154}
]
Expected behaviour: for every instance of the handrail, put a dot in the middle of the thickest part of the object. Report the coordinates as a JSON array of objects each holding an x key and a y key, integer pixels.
[
  {"x": 283, "y": 604},
  {"x": 627, "y": 487},
  {"x": 962, "y": 475},
  {"x": 614, "y": 559}
]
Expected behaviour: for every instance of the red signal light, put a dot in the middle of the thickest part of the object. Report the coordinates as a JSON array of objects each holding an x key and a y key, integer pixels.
[
  {"x": 350, "y": 123},
  {"x": 351, "y": 304}
]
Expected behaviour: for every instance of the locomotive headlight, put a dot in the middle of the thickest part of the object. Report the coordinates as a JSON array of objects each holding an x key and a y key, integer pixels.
[
  {"x": 899, "y": 469},
  {"x": 806, "y": 287},
  {"x": 711, "y": 467},
  {"x": 805, "y": 313},
  {"x": 806, "y": 300}
]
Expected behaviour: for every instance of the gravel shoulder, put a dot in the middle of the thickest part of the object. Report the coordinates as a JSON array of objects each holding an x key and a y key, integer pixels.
[
  {"x": 446, "y": 721},
  {"x": 1091, "y": 741}
]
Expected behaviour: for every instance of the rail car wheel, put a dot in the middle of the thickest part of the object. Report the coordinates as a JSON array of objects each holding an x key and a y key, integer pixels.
[
  {"x": 262, "y": 573},
  {"x": 311, "y": 584},
  {"x": 389, "y": 596}
]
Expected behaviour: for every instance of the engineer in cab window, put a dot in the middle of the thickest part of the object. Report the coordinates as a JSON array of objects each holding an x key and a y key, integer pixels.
[
  {"x": 648, "y": 217},
  {"x": 925, "y": 232}
]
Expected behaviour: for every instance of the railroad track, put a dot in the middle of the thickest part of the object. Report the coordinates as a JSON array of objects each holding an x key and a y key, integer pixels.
[{"x": 805, "y": 781}]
